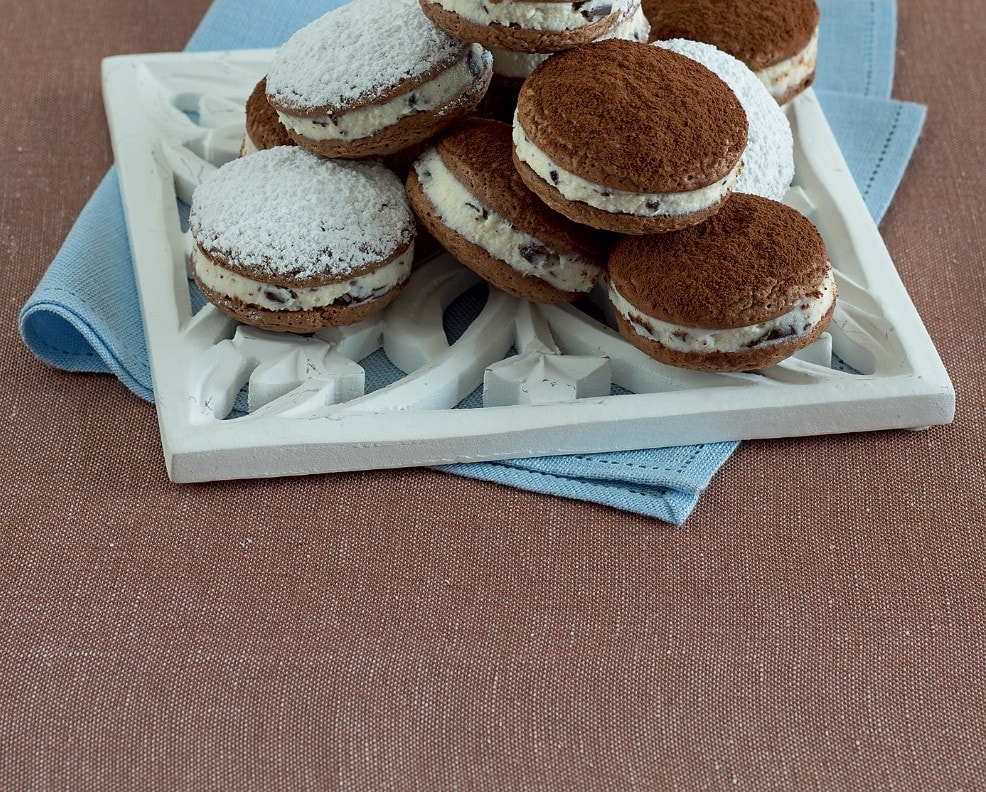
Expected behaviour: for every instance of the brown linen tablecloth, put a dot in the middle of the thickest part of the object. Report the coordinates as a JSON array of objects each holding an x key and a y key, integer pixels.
[{"x": 818, "y": 623}]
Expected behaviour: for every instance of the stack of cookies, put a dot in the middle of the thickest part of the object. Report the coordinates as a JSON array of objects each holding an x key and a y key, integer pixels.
[
  {"x": 657, "y": 169},
  {"x": 313, "y": 229}
]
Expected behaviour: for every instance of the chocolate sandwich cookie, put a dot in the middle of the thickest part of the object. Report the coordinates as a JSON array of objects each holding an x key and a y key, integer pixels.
[
  {"x": 289, "y": 241},
  {"x": 742, "y": 291},
  {"x": 777, "y": 39},
  {"x": 629, "y": 137},
  {"x": 373, "y": 77},
  {"x": 264, "y": 129},
  {"x": 525, "y": 25},
  {"x": 468, "y": 195},
  {"x": 510, "y": 69},
  {"x": 768, "y": 163}
]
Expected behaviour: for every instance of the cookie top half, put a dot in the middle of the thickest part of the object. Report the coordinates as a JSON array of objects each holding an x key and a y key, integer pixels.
[
  {"x": 363, "y": 52},
  {"x": 753, "y": 261},
  {"x": 291, "y": 218},
  {"x": 634, "y": 117}
]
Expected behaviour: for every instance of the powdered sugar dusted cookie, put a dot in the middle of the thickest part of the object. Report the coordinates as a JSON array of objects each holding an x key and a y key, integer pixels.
[
  {"x": 629, "y": 137},
  {"x": 768, "y": 164},
  {"x": 777, "y": 39},
  {"x": 286, "y": 240},
  {"x": 468, "y": 194},
  {"x": 373, "y": 77},
  {"x": 742, "y": 291},
  {"x": 526, "y": 25}
]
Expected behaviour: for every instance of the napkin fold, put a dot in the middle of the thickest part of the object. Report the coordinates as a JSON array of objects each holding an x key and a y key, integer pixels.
[{"x": 84, "y": 315}]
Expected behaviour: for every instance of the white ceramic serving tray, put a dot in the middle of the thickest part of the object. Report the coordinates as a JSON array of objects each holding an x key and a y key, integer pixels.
[{"x": 424, "y": 384}]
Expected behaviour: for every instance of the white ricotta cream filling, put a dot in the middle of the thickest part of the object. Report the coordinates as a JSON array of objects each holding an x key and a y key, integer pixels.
[
  {"x": 782, "y": 76},
  {"x": 461, "y": 211},
  {"x": 533, "y": 15},
  {"x": 575, "y": 188},
  {"x": 703, "y": 340},
  {"x": 634, "y": 26},
  {"x": 278, "y": 298},
  {"x": 365, "y": 121},
  {"x": 248, "y": 146}
]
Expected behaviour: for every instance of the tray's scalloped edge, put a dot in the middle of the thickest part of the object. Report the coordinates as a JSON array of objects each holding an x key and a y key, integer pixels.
[{"x": 917, "y": 395}]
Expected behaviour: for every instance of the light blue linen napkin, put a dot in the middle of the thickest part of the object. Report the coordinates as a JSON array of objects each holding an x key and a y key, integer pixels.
[
  {"x": 84, "y": 315},
  {"x": 877, "y": 134}
]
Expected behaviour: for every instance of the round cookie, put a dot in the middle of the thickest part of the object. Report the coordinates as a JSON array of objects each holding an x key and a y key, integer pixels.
[
  {"x": 264, "y": 129},
  {"x": 768, "y": 163},
  {"x": 740, "y": 292},
  {"x": 510, "y": 69},
  {"x": 778, "y": 40},
  {"x": 525, "y": 25},
  {"x": 468, "y": 195},
  {"x": 373, "y": 77},
  {"x": 289, "y": 241},
  {"x": 628, "y": 137}
]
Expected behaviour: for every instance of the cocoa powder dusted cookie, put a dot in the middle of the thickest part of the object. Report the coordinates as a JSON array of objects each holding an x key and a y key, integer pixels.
[
  {"x": 374, "y": 77},
  {"x": 777, "y": 39},
  {"x": 629, "y": 137},
  {"x": 525, "y": 25},
  {"x": 467, "y": 193},
  {"x": 740, "y": 292},
  {"x": 264, "y": 129},
  {"x": 289, "y": 241}
]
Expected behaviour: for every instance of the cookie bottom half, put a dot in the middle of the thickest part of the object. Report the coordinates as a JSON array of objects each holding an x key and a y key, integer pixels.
[
  {"x": 299, "y": 321},
  {"x": 749, "y": 359}
]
